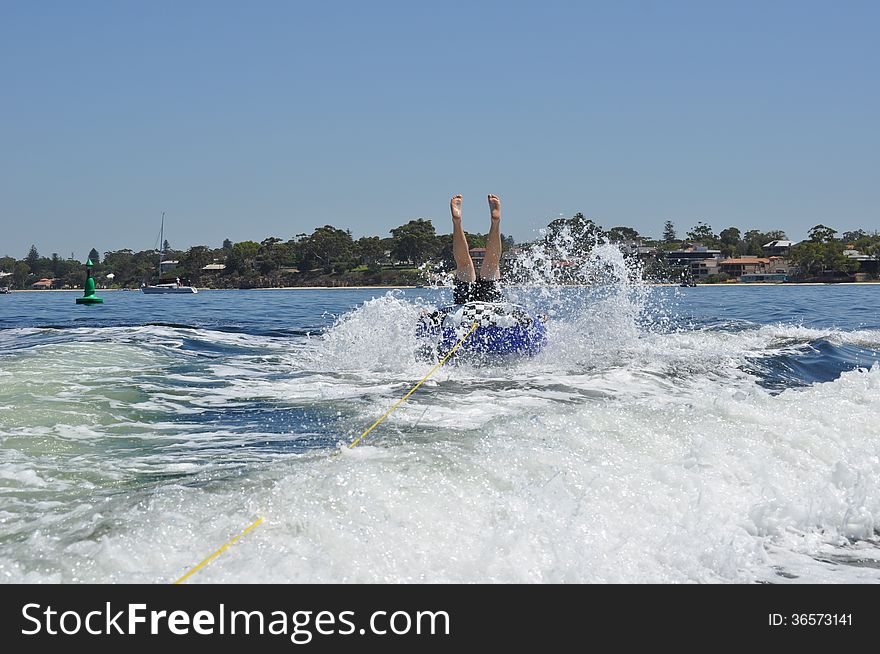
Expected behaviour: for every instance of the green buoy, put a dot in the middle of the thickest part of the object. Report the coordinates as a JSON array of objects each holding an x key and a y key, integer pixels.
[{"x": 89, "y": 296}]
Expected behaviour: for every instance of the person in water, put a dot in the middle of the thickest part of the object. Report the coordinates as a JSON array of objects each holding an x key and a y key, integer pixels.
[{"x": 469, "y": 287}]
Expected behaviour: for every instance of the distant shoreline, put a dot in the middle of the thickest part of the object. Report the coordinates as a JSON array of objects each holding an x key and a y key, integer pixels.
[
  {"x": 98, "y": 291},
  {"x": 360, "y": 288}
]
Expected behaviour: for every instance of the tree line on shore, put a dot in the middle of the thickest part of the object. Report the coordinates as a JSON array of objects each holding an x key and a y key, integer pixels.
[
  {"x": 328, "y": 256},
  {"x": 331, "y": 257},
  {"x": 820, "y": 256}
]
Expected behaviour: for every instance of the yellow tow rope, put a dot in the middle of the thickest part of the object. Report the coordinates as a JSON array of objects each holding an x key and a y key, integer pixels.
[
  {"x": 414, "y": 388},
  {"x": 220, "y": 551},
  {"x": 257, "y": 522}
]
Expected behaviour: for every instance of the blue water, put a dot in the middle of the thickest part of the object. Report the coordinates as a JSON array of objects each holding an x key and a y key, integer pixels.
[
  {"x": 304, "y": 312},
  {"x": 845, "y": 309},
  {"x": 261, "y": 312},
  {"x": 840, "y": 306},
  {"x": 713, "y": 434}
]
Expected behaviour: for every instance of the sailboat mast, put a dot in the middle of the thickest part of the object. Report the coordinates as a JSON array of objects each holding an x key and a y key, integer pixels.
[{"x": 161, "y": 244}]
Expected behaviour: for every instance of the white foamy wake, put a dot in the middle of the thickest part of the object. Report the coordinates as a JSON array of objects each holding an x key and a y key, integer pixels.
[{"x": 726, "y": 486}]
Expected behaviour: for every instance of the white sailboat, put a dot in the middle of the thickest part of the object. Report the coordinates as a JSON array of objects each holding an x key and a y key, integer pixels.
[{"x": 175, "y": 287}]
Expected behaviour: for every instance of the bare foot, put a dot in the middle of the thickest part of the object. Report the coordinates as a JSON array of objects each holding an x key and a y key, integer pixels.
[
  {"x": 495, "y": 207},
  {"x": 455, "y": 206}
]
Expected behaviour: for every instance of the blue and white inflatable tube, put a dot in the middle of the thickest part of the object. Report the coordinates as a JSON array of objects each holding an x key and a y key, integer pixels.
[{"x": 503, "y": 328}]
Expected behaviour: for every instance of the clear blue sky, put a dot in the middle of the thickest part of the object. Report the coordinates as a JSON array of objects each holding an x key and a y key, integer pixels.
[{"x": 244, "y": 120}]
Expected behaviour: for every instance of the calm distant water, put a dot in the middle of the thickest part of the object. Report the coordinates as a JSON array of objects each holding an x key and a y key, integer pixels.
[
  {"x": 283, "y": 311},
  {"x": 666, "y": 434}
]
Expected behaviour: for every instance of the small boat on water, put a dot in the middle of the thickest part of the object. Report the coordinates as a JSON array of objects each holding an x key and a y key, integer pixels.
[
  {"x": 4, "y": 289},
  {"x": 166, "y": 288}
]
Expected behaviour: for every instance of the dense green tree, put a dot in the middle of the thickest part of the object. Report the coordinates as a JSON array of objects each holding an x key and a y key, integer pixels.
[
  {"x": 20, "y": 274},
  {"x": 325, "y": 248},
  {"x": 702, "y": 233},
  {"x": 33, "y": 257},
  {"x": 853, "y": 236},
  {"x": 274, "y": 254},
  {"x": 242, "y": 257},
  {"x": 622, "y": 235},
  {"x": 122, "y": 264},
  {"x": 196, "y": 258},
  {"x": 414, "y": 241},
  {"x": 368, "y": 250},
  {"x": 669, "y": 232},
  {"x": 227, "y": 244},
  {"x": 821, "y": 234},
  {"x": 131, "y": 269},
  {"x": 94, "y": 256},
  {"x": 816, "y": 257},
  {"x": 729, "y": 240},
  {"x": 730, "y": 236},
  {"x": 809, "y": 257}
]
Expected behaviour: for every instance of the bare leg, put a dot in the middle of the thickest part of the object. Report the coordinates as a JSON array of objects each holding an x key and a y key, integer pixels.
[
  {"x": 491, "y": 268},
  {"x": 464, "y": 269}
]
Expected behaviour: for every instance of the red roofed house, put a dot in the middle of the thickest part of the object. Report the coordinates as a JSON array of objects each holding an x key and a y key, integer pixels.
[{"x": 43, "y": 284}]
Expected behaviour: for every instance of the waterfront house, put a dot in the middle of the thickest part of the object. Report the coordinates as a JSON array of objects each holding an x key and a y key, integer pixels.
[
  {"x": 43, "y": 285},
  {"x": 867, "y": 263},
  {"x": 766, "y": 277},
  {"x": 165, "y": 266},
  {"x": 777, "y": 248},
  {"x": 745, "y": 266},
  {"x": 780, "y": 265},
  {"x": 704, "y": 267},
  {"x": 698, "y": 260}
]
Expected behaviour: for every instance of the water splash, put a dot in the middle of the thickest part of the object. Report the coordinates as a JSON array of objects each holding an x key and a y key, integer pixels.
[
  {"x": 597, "y": 300},
  {"x": 379, "y": 336}
]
